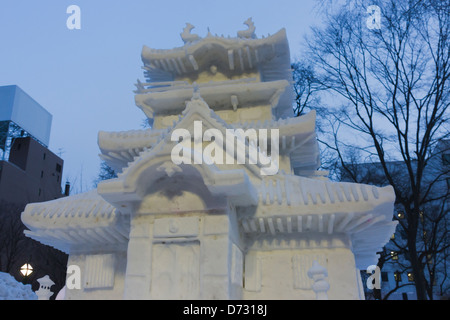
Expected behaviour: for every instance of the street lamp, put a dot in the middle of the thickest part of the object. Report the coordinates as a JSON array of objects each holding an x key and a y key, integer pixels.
[{"x": 26, "y": 270}]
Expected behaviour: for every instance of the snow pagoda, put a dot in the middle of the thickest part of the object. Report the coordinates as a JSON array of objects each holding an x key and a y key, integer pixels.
[{"x": 172, "y": 228}]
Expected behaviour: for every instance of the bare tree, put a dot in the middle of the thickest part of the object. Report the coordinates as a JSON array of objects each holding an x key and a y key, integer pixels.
[
  {"x": 11, "y": 236},
  {"x": 16, "y": 249},
  {"x": 306, "y": 88},
  {"x": 390, "y": 102}
]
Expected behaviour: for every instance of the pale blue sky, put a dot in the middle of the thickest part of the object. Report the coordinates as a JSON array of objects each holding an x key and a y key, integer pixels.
[{"x": 85, "y": 78}]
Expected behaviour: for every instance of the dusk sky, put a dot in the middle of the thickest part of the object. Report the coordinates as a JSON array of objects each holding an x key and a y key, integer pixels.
[{"x": 85, "y": 78}]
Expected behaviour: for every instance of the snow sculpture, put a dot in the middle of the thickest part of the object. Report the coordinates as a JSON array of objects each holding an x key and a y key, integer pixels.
[
  {"x": 45, "y": 283},
  {"x": 10, "y": 289},
  {"x": 195, "y": 212}
]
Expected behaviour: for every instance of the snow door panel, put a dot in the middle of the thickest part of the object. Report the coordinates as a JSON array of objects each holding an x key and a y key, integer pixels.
[{"x": 175, "y": 270}]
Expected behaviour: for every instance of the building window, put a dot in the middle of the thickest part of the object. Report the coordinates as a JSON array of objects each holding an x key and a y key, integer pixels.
[
  {"x": 405, "y": 296},
  {"x": 394, "y": 255},
  {"x": 39, "y": 192},
  {"x": 410, "y": 277},
  {"x": 44, "y": 155},
  {"x": 398, "y": 276},
  {"x": 58, "y": 168},
  {"x": 42, "y": 174},
  {"x": 99, "y": 271},
  {"x": 384, "y": 277},
  {"x": 18, "y": 146}
]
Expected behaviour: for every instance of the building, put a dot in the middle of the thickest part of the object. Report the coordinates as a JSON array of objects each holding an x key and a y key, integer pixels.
[
  {"x": 29, "y": 171},
  {"x": 397, "y": 279},
  {"x": 191, "y": 216}
]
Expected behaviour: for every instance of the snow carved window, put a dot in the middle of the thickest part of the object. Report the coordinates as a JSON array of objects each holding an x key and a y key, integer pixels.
[{"x": 99, "y": 271}]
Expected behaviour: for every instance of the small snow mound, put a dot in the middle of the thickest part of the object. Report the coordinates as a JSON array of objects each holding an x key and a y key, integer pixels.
[{"x": 10, "y": 289}]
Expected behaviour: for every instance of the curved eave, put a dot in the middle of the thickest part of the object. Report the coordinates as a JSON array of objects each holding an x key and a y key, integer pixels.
[
  {"x": 297, "y": 139},
  {"x": 302, "y": 206},
  {"x": 218, "y": 96},
  {"x": 114, "y": 141},
  {"x": 80, "y": 221},
  {"x": 242, "y": 54},
  {"x": 294, "y": 132},
  {"x": 129, "y": 186},
  {"x": 120, "y": 148}
]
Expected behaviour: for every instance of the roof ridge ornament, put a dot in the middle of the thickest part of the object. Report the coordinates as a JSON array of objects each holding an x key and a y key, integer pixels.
[
  {"x": 196, "y": 92},
  {"x": 250, "y": 32},
  {"x": 196, "y": 100},
  {"x": 187, "y": 36},
  {"x": 209, "y": 34}
]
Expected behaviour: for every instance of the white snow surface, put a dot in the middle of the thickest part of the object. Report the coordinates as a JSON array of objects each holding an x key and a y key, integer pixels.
[{"x": 10, "y": 289}]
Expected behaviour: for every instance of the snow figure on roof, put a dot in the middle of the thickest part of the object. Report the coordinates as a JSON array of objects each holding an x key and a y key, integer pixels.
[
  {"x": 187, "y": 36},
  {"x": 216, "y": 223},
  {"x": 250, "y": 32}
]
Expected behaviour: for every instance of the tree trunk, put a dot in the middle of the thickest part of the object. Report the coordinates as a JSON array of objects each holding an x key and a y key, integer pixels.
[{"x": 417, "y": 269}]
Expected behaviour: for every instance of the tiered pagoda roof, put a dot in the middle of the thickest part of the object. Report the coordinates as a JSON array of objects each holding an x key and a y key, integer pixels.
[{"x": 239, "y": 58}]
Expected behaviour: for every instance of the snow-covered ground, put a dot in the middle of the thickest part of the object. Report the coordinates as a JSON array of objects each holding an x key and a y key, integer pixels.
[{"x": 10, "y": 289}]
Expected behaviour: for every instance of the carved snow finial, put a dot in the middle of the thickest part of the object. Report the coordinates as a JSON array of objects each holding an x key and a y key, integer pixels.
[
  {"x": 187, "y": 36},
  {"x": 209, "y": 33},
  {"x": 318, "y": 273},
  {"x": 140, "y": 87},
  {"x": 196, "y": 100},
  {"x": 250, "y": 32}
]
